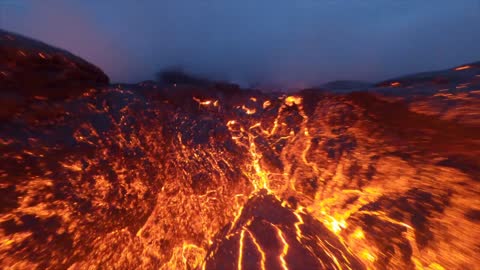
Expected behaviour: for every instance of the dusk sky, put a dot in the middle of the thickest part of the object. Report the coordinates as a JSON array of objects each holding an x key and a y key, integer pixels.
[{"x": 286, "y": 43}]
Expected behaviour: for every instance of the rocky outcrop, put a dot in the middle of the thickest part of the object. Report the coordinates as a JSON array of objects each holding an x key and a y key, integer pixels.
[{"x": 32, "y": 69}]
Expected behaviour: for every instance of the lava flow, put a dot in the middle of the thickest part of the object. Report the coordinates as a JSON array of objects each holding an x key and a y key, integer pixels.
[{"x": 217, "y": 177}]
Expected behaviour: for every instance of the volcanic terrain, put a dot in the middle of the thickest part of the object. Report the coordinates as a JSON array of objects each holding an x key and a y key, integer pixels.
[{"x": 211, "y": 176}]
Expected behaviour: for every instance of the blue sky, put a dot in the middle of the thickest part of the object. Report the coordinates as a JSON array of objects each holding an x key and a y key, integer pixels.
[{"x": 286, "y": 43}]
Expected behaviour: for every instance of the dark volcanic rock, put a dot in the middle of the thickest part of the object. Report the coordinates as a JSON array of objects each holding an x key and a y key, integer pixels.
[
  {"x": 346, "y": 86},
  {"x": 31, "y": 68},
  {"x": 269, "y": 236},
  {"x": 442, "y": 77}
]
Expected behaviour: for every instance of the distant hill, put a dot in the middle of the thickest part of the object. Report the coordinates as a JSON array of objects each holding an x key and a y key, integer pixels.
[
  {"x": 451, "y": 94},
  {"x": 441, "y": 77},
  {"x": 346, "y": 85},
  {"x": 32, "y": 68}
]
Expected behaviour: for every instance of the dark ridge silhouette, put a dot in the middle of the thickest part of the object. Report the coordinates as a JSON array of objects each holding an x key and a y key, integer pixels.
[
  {"x": 175, "y": 76},
  {"x": 346, "y": 85},
  {"x": 30, "y": 69},
  {"x": 441, "y": 77},
  {"x": 33, "y": 68}
]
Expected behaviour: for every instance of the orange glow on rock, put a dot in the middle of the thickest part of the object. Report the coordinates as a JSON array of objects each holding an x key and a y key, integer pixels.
[
  {"x": 462, "y": 67},
  {"x": 395, "y": 84},
  {"x": 293, "y": 100}
]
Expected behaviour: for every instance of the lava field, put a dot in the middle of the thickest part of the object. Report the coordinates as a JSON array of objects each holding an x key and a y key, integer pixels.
[{"x": 147, "y": 176}]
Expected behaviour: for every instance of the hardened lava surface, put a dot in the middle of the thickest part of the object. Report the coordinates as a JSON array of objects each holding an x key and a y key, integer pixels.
[{"x": 216, "y": 177}]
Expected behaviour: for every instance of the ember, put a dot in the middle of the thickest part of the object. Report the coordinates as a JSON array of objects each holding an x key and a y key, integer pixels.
[
  {"x": 395, "y": 84},
  {"x": 462, "y": 68}
]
